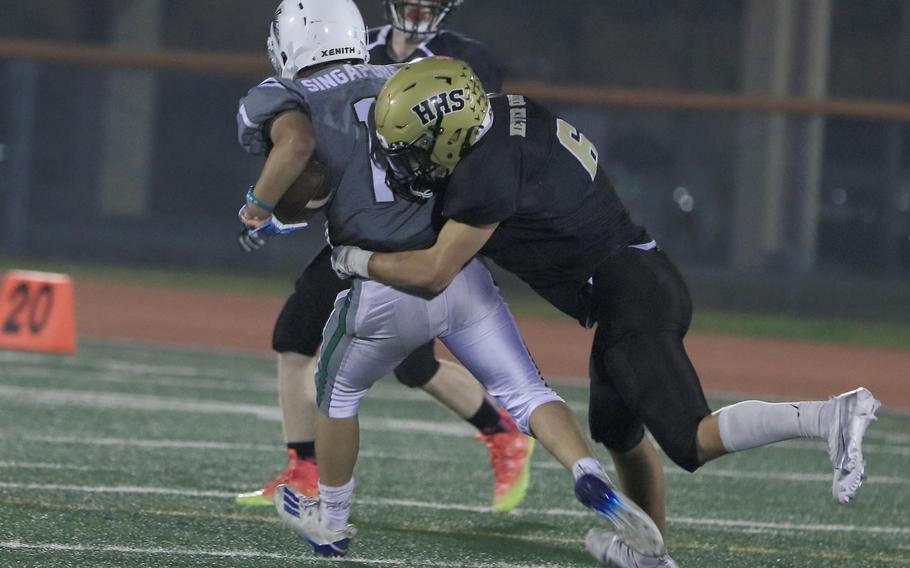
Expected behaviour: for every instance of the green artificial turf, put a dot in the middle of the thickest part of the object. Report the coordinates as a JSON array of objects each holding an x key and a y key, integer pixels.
[{"x": 129, "y": 456}]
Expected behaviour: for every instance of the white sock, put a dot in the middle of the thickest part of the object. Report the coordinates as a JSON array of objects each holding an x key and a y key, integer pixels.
[
  {"x": 753, "y": 423},
  {"x": 335, "y": 504},
  {"x": 588, "y": 465}
]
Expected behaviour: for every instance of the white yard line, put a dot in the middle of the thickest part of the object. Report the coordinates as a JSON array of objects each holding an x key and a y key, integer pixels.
[
  {"x": 387, "y": 392},
  {"x": 24, "y": 357},
  {"x": 415, "y": 458},
  {"x": 176, "y": 378},
  {"x": 114, "y": 401},
  {"x": 221, "y": 379},
  {"x": 115, "y": 378},
  {"x": 115, "y": 365},
  {"x": 148, "y": 444},
  {"x": 118, "y": 489},
  {"x": 151, "y": 403},
  {"x": 102, "y": 548},
  {"x": 719, "y": 524},
  {"x": 45, "y": 465},
  {"x": 297, "y": 558}
]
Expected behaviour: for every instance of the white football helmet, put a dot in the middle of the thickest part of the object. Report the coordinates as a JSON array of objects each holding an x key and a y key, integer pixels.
[
  {"x": 309, "y": 32},
  {"x": 419, "y": 18}
]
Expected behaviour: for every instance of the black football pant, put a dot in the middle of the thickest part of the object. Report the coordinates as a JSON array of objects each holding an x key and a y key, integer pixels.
[
  {"x": 300, "y": 323},
  {"x": 641, "y": 375}
]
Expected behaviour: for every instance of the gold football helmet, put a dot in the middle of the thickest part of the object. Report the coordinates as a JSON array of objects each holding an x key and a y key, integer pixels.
[{"x": 427, "y": 115}]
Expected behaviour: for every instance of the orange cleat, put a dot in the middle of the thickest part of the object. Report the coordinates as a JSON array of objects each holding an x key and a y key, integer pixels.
[
  {"x": 301, "y": 475},
  {"x": 510, "y": 456}
]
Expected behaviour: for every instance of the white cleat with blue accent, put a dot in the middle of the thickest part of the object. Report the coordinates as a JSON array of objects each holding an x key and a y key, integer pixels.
[
  {"x": 853, "y": 412},
  {"x": 636, "y": 528},
  {"x": 610, "y": 550},
  {"x": 302, "y": 514}
]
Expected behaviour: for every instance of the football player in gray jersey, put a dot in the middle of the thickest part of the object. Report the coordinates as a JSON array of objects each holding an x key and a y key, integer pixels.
[
  {"x": 313, "y": 108},
  {"x": 412, "y": 32}
]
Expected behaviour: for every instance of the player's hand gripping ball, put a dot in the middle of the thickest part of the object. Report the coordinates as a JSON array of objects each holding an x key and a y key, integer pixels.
[{"x": 306, "y": 196}]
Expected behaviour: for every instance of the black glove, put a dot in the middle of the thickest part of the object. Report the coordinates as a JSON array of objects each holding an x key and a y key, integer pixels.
[{"x": 250, "y": 240}]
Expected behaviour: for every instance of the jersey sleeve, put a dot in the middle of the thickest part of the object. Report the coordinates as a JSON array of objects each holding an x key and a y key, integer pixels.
[
  {"x": 484, "y": 187},
  {"x": 257, "y": 109}
]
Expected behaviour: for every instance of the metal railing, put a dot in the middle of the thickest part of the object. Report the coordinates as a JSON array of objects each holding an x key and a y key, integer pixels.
[{"x": 254, "y": 64}]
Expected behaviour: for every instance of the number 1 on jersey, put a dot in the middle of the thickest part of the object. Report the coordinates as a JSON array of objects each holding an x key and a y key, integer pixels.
[
  {"x": 580, "y": 147},
  {"x": 381, "y": 190}
]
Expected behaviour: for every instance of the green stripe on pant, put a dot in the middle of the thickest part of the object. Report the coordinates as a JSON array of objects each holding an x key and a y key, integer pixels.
[{"x": 329, "y": 351}]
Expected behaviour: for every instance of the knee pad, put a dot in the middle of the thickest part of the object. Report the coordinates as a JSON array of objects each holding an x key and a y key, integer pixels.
[{"x": 418, "y": 368}]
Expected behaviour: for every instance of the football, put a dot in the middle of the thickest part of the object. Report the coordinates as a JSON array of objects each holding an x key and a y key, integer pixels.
[{"x": 306, "y": 196}]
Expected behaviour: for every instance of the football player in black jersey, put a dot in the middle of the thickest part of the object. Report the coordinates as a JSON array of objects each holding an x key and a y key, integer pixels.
[
  {"x": 413, "y": 32},
  {"x": 530, "y": 195}
]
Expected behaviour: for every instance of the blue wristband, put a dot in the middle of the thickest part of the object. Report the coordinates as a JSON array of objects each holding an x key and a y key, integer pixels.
[{"x": 253, "y": 200}]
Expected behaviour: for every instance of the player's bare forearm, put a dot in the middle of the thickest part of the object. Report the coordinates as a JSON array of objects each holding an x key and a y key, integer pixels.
[
  {"x": 283, "y": 166},
  {"x": 429, "y": 271},
  {"x": 293, "y": 144},
  {"x": 414, "y": 271}
]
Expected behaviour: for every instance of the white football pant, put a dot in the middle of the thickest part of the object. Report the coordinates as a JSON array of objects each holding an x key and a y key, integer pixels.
[{"x": 374, "y": 327}]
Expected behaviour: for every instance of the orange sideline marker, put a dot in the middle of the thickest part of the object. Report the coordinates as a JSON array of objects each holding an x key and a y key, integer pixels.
[{"x": 37, "y": 312}]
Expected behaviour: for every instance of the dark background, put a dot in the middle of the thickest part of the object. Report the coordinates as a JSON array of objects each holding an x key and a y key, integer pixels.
[{"x": 676, "y": 170}]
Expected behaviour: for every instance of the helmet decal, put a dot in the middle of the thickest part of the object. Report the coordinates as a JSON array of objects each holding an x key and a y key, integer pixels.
[{"x": 429, "y": 110}]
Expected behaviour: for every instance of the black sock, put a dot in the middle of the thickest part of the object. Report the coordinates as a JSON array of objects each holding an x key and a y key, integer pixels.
[
  {"x": 487, "y": 419},
  {"x": 305, "y": 450}
]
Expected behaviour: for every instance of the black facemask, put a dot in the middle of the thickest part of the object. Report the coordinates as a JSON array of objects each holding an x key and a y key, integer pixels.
[{"x": 411, "y": 174}]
